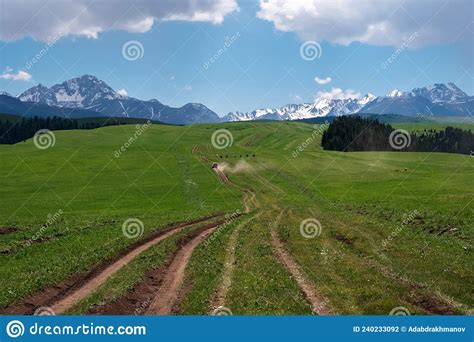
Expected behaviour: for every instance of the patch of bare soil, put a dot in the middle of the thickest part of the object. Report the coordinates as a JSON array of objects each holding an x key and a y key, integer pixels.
[
  {"x": 317, "y": 301},
  {"x": 62, "y": 296},
  {"x": 159, "y": 291},
  {"x": 433, "y": 306},
  {"x": 344, "y": 239},
  {"x": 166, "y": 297},
  {"x": 7, "y": 230}
]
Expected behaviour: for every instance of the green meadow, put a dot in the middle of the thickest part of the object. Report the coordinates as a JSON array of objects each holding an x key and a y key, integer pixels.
[{"x": 396, "y": 228}]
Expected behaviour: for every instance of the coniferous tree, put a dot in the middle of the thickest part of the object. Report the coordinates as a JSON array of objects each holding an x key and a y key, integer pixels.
[{"x": 353, "y": 133}]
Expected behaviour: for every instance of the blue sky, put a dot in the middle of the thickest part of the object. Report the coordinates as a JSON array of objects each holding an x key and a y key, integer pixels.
[{"x": 403, "y": 47}]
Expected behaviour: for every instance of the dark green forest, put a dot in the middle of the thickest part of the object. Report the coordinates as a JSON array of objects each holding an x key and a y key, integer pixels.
[
  {"x": 21, "y": 129},
  {"x": 354, "y": 133}
]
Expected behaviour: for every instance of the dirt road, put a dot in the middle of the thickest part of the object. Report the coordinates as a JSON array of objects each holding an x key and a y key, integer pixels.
[
  {"x": 221, "y": 292},
  {"x": 317, "y": 301},
  {"x": 63, "y": 296},
  {"x": 167, "y": 295}
]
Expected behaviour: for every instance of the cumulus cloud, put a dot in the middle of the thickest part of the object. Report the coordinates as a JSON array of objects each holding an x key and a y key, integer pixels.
[
  {"x": 322, "y": 80},
  {"x": 21, "y": 75},
  {"x": 42, "y": 20},
  {"x": 387, "y": 22},
  {"x": 337, "y": 94},
  {"x": 122, "y": 92}
]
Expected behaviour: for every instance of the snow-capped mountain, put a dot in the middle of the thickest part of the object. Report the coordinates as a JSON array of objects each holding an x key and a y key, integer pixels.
[
  {"x": 440, "y": 92},
  {"x": 12, "y": 105},
  {"x": 89, "y": 96},
  {"x": 322, "y": 107},
  {"x": 81, "y": 92},
  {"x": 438, "y": 99},
  {"x": 89, "y": 93}
]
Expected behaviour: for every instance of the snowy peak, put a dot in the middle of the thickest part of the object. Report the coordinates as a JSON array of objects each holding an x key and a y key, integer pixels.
[
  {"x": 444, "y": 99},
  {"x": 441, "y": 92},
  {"x": 36, "y": 94},
  {"x": 366, "y": 99},
  {"x": 79, "y": 92},
  {"x": 89, "y": 92},
  {"x": 437, "y": 99},
  {"x": 321, "y": 107},
  {"x": 436, "y": 93}
]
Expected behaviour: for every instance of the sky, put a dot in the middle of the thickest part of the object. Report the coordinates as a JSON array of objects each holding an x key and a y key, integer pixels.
[{"x": 238, "y": 55}]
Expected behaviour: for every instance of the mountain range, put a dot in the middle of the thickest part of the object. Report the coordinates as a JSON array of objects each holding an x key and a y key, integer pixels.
[
  {"x": 436, "y": 100},
  {"x": 87, "y": 96}
]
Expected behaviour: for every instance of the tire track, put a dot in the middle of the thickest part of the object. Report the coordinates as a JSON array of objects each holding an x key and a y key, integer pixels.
[
  {"x": 63, "y": 296},
  {"x": 317, "y": 301},
  {"x": 249, "y": 198},
  {"x": 167, "y": 296},
  {"x": 221, "y": 292}
]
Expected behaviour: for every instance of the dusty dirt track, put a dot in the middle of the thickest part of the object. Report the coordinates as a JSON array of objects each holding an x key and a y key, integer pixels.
[
  {"x": 318, "y": 302},
  {"x": 62, "y": 296},
  {"x": 159, "y": 293}
]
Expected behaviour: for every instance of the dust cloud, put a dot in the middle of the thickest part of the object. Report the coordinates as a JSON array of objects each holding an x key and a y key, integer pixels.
[{"x": 241, "y": 167}]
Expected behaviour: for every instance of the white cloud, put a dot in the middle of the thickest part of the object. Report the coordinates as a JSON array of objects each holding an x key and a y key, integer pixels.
[
  {"x": 122, "y": 92},
  {"x": 337, "y": 94},
  {"x": 322, "y": 80},
  {"x": 188, "y": 87},
  {"x": 387, "y": 22},
  {"x": 21, "y": 75},
  {"x": 297, "y": 98},
  {"x": 42, "y": 20}
]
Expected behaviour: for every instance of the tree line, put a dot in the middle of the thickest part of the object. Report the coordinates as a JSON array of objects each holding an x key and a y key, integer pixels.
[
  {"x": 354, "y": 133},
  {"x": 13, "y": 131}
]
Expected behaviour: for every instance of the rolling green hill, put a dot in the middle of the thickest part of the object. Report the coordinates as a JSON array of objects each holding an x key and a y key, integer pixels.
[{"x": 396, "y": 227}]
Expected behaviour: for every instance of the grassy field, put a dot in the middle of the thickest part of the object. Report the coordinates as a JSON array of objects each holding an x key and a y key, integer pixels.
[{"x": 396, "y": 228}]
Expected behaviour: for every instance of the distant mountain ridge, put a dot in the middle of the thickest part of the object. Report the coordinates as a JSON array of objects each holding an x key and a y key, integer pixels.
[
  {"x": 91, "y": 94},
  {"x": 87, "y": 96},
  {"x": 438, "y": 99}
]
